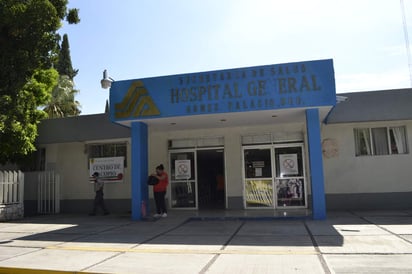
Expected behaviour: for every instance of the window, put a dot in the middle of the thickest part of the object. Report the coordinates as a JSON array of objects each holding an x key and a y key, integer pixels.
[
  {"x": 199, "y": 142},
  {"x": 258, "y": 163},
  {"x": 108, "y": 150},
  {"x": 380, "y": 141}
]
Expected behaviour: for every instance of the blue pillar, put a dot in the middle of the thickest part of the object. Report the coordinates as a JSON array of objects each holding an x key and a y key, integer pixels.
[
  {"x": 316, "y": 164},
  {"x": 139, "y": 166}
]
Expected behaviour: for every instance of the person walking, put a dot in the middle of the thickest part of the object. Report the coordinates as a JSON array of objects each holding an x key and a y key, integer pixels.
[
  {"x": 159, "y": 191},
  {"x": 98, "y": 199}
]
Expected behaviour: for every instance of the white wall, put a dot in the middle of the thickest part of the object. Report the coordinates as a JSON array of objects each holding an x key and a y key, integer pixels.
[
  {"x": 344, "y": 173},
  {"x": 158, "y": 147},
  {"x": 347, "y": 173},
  {"x": 70, "y": 160}
]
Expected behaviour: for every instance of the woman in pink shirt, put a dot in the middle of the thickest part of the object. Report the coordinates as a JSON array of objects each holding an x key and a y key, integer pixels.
[{"x": 159, "y": 191}]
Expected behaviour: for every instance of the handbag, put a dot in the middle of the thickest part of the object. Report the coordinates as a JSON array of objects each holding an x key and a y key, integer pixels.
[{"x": 152, "y": 180}]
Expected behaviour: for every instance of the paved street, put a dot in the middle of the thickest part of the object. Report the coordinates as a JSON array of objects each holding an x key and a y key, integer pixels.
[{"x": 227, "y": 242}]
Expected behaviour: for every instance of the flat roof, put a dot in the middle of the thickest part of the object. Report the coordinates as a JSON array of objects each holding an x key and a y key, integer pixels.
[
  {"x": 382, "y": 105},
  {"x": 80, "y": 129}
]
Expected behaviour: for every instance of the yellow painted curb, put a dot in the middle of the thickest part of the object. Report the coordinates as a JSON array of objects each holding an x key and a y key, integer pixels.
[
  {"x": 181, "y": 251},
  {"x": 16, "y": 270}
]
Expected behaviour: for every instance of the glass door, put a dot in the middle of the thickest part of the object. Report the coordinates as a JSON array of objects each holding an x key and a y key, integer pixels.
[
  {"x": 183, "y": 179},
  {"x": 290, "y": 176},
  {"x": 274, "y": 176},
  {"x": 258, "y": 189}
]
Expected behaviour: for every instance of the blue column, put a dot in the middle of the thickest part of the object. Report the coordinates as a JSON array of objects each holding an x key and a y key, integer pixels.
[
  {"x": 316, "y": 164},
  {"x": 139, "y": 166}
]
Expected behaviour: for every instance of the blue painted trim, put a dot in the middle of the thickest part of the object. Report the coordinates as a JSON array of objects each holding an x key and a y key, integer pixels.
[
  {"x": 279, "y": 86},
  {"x": 316, "y": 164},
  {"x": 139, "y": 167}
]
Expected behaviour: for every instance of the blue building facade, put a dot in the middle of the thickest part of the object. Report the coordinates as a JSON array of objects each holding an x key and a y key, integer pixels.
[{"x": 240, "y": 97}]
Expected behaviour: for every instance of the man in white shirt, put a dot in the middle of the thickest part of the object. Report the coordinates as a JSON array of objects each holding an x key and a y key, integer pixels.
[{"x": 98, "y": 199}]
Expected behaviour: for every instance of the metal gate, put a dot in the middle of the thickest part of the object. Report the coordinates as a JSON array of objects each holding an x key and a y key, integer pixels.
[
  {"x": 11, "y": 187},
  {"x": 11, "y": 195},
  {"x": 48, "y": 192}
]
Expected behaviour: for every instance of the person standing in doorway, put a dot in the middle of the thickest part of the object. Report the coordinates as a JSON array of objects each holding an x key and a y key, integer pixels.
[
  {"x": 159, "y": 191},
  {"x": 98, "y": 199}
]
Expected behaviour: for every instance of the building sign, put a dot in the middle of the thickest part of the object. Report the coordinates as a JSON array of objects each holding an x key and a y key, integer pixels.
[
  {"x": 182, "y": 170},
  {"x": 110, "y": 169},
  {"x": 291, "y": 85}
]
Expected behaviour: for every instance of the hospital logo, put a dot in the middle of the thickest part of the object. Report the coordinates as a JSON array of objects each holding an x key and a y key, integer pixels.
[{"x": 136, "y": 103}]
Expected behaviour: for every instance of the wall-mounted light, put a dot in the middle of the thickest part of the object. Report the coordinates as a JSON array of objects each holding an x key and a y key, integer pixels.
[{"x": 106, "y": 82}]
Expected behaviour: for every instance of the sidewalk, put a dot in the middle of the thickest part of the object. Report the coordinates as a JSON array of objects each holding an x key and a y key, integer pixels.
[{"x": 225, "y": 242}]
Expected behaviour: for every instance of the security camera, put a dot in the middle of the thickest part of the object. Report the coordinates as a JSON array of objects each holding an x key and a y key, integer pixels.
[{"x": 106, "y": 82}]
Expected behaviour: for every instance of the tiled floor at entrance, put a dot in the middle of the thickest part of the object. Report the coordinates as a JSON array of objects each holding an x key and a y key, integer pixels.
[{"x": 266, "y": 213}]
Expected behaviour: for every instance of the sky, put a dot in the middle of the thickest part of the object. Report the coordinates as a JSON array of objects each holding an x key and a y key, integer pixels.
[{"x": 145, "y": 38}]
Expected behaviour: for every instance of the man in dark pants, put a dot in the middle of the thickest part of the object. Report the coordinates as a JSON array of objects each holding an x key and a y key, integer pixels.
[{"x": 98, "y": 199}]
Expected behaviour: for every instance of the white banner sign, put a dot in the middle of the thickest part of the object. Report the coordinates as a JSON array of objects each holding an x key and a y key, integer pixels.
[
  {"x": 182, "y": 169},
  {"x": 288, "y": 164},
  {"x": 110, "y": 169}
]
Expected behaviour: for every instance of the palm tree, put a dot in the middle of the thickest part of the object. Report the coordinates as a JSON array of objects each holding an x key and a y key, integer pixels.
[{"x": 62, "y": 102}]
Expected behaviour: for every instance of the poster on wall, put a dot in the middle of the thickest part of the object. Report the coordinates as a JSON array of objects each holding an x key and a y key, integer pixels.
[
  {"x": 288, "y": 164},
  {"x": 110, "y": 169},
  {"x": 259, "y": 193},
  {"x": 290, "y": 192},
  {"x": 182, "y": 170}
]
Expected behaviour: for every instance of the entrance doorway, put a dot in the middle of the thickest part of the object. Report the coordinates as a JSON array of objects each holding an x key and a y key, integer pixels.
[
  {"x": 211, "y": 179},
  {"x": 197, "y": 178}
]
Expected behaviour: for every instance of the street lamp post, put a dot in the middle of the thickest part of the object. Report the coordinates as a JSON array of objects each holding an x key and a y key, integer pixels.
[{"x": 106, "y": 82}]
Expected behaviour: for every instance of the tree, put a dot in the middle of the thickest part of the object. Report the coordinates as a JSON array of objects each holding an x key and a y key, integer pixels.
[
  {"x": 28, "y": 42},
  {"x": 64, "y": 64},
  {"x": 19, "y": 125},
  {"x": 62, "y": 102}
]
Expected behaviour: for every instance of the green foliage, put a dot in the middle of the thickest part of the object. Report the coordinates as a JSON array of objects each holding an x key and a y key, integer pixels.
[
  {"x": 28, "y": 42},
  {"x": 27, "y": 36},
  {"x": 64, "y": 64},
  {"x": 62, "y": 102},
  {"x": 18, "y": 127},
  {"x": 73, "y": 16}
]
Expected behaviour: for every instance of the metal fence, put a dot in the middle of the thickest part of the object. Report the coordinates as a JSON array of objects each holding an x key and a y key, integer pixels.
[
  {"x": 11, "y": 187},
  {"x": 48, "y": 192}
]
